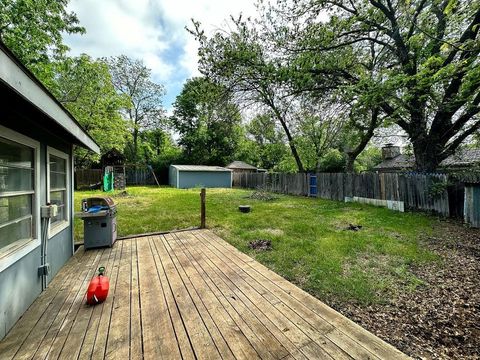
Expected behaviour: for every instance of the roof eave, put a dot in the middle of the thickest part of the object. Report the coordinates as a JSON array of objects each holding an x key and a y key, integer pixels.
[{"x": 16, "y": 76}]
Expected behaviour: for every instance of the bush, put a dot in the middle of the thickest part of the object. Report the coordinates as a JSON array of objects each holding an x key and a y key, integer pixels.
[{"x": 332, "y": 161}]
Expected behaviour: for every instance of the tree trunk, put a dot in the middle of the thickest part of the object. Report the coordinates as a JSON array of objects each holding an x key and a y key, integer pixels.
[
  {"x": 349, "y": 165},
  {"x": 135, "y": 145},
  {"x": 296, "y": 156},
  {"x": 291, "y": 143},
  {"x": 427, "y": 147},
  {"x": 427, "y": 155},
  {"x": 364, "y": 140}
]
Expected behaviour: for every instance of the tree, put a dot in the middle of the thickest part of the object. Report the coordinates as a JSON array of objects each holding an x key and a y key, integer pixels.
[
  {"x": 426, "y": 74},
  {"x": 269, "y": 141},
  {"x": 133, "y": 79},
  {"x": 85, "y": 88},
  {"x": 368, "y": 159},
  {"x": 359, "y": 132},
  {"x": 320, "y": 126},
  {"x": 238, "y": 61},
  {"x": 332, "y": 161},
  {"x": 33, "y": 31},
  {"x": 158, "y": 149},
  {"x": 207, "y": 121}
]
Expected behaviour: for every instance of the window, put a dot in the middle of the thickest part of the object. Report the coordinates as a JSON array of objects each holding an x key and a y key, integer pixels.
[
  {"x": 57, "y": 189},
  {"x": 18, "y": 201}
]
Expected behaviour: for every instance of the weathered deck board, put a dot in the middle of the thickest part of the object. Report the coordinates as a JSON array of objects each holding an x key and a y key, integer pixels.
[{"x": 184, "y": 295}]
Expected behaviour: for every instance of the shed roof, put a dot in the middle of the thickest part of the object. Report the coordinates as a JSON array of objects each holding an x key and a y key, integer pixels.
[
  {"x": 241, "y": 165},
  {"x": 200, "y": 168},
  {"x": 18, "y": 78}
]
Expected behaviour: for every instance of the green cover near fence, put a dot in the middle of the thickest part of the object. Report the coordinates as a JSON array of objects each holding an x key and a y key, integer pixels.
[{"x": 108, "y": 182}]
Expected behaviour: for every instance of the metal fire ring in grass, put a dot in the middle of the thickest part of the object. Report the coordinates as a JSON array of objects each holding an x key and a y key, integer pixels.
[{"x": 244, "y": 208}]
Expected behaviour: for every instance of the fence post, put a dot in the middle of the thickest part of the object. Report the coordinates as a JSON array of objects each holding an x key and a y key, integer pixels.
[{"x": 202, "y": 208}]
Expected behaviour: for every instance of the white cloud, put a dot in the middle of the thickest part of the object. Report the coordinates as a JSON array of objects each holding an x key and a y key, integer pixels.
[
  {"x": 212, "y": 14},
  {"x": 151, "y": 30}
]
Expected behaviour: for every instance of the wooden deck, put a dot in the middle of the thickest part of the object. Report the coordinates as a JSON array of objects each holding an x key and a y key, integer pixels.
[{"x": 183, "y": 295}]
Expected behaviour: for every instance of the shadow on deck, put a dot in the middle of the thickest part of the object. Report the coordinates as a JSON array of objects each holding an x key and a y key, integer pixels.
[{"x": 183, "y": 295}]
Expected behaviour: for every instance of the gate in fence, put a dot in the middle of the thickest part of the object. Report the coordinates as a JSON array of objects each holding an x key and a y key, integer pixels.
[{"x": 312, "y": 185}]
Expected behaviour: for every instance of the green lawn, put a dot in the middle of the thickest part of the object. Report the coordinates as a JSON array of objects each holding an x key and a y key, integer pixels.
[{"x": 310, "y": 244}]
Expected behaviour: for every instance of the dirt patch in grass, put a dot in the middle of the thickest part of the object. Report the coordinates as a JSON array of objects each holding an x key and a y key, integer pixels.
[
  {"x": 353, "y": 227},
  {"x": 262, "y": 195},
  {"x": 440, "y": 319},
  {"x": 122, "y": 194},
  {"x": 260, "y": 245}
]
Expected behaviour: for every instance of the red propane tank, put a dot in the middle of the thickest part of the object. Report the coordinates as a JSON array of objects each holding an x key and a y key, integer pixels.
[{"x": 98, "y": 288}]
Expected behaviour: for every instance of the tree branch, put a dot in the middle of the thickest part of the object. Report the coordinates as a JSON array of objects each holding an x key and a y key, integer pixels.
[
  {"x": 450, "y": 148},
  {"x": 418, "y": 11},
  {"x": 470, "y": 33}
]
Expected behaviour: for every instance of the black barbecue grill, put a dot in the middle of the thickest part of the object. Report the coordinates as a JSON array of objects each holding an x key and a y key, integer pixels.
[{"x": 99, "y": 215}]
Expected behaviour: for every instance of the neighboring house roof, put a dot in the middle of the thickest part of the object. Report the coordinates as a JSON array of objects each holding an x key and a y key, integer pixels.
[
  {"x": 240, "y": 165},
  {"x": 462, "y": 158},
  {"x": 200, "y": 168},
  {"x": 17, "y": 77},
  {"x": 113, "y": 157},
  {"x": 398, "y": 162}
]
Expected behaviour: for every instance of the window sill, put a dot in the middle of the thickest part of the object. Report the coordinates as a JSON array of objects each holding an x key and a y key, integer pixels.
[
  {"x": 57, "y": 228},
  {"x": 15, "y": 251}
]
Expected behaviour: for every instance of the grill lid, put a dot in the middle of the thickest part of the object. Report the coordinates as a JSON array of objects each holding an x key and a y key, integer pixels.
[{"x": 105, "y": 202}]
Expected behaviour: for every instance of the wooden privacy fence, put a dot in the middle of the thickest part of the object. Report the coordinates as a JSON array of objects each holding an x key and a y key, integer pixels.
[
  {"x": 139, "y": 176},
  {"x": 88, "y": 178},
  {"x": 294, "y": 184},
  {"x": 425, "y": 192}
]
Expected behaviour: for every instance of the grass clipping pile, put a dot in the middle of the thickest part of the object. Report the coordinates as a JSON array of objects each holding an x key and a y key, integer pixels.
[
  {"x": 262, "y": 194},
  {"x": 441, "y": 319}
]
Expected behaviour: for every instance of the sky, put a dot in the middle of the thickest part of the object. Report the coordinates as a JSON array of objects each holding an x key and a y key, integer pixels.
[{"x": 152, "y": 31}]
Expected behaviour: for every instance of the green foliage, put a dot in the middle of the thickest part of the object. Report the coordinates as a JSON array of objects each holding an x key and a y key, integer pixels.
[
  {"x": 368, "y": 159},
  {"x": 332, "y": 161},
  {"x": 239, "y": 61},
  {"x": 144, "y": 110},
  {"x": 437, "y": 189},
  {"x": 208, "y": 123},
  {"x": 414, "y": 62},
  {"x": 268, "y": 144},
  {"x": 286, "y": 165},
  {"x": 33, "y": 31},
  {"x": 158, "y": 149},
  {"x": 84, "y": 87},
  {"x": 106, "y": 98},
  {"x": 248, "y": 151}
]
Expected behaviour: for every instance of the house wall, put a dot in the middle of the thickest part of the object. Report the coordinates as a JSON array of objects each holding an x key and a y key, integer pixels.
[
  {"x": 209, "y": 179},
  {"x": 20, "y": 283},
  {"x": 172, "y": 176}
]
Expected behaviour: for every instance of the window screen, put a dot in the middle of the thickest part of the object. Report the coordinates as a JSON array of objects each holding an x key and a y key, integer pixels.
[
  {"x": 58, "y": 187},
  {"x": 17, "y": 170}
]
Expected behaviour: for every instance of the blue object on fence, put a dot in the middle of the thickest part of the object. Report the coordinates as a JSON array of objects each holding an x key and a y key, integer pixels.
[{"x": 312, "y": 186}]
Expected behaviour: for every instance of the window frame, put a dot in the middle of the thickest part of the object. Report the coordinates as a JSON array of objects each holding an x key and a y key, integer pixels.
[
  {"x": 12, "y": 253},
  {"x": 60, "y": 226}
]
